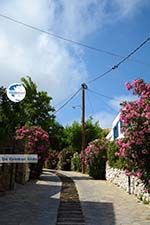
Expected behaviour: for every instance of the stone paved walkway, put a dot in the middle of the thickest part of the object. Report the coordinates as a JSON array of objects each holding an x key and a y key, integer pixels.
[
  {"x": 33, "y": 203},
  {"x": 102, "y": 203},
  {"x": 105, "y": 204}
]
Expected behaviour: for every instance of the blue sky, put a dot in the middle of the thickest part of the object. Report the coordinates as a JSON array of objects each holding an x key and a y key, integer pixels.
[{"x": 59, "y": 67}]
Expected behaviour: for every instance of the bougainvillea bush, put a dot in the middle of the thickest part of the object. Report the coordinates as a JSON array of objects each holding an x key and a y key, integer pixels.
[
  {"x": 135, "y": 146},
  {"x": 36, "y": 141},
  {"x": 53, "y": 158},
  {"x": 65, "y": 157},
  {"x": 94, "y": 158}
]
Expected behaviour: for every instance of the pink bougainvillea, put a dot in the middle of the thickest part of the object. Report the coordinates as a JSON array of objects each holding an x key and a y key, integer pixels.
[
  {"x": 94, "y": 158},
  {"x": 36, "y": 140},
  {"x": 135, "y": 146},
  {"x": 53, "y": 159}
]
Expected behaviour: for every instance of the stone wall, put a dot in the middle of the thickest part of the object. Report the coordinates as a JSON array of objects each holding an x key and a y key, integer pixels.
[
  {"x": 7, "y": 178},
  {"x": 7, "y": 170},
  {"x": 22, "y": 173},
  {"x": 11, "y": 173},
  {"x": 131, "y": 184}
]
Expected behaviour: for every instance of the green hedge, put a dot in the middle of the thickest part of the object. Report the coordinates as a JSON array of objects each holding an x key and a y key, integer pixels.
[
  {"x": 76, "y": 162},
  {"x": 97, "y": 169},
  {"x": 113, "y": 160}
]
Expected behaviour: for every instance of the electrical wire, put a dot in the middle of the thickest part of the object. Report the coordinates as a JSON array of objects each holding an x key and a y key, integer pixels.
[
  {"x": 114, "y": 67},
  {"x": 101, "y": 95},
  {"x": 67, "y": 39},
  {"x": 100, "y": 98},
  {"x": 61, "y": 107},
  {"x": 84, "y": 45},
  {"x": 57, "y": 36},
  {"x": 61, "y": 102}
]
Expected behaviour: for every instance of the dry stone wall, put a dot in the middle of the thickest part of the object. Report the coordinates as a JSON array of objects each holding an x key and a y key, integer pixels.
[{"x": 131, "y": 184}]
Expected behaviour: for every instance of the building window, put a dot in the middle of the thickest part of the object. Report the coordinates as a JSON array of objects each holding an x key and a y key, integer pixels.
[
  {"x": 115, "y": 131},
  {"x": 120, "y": 124}
]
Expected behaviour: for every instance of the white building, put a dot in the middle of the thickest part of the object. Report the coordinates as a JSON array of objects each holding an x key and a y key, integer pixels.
[{"x": 115, "y": 132}]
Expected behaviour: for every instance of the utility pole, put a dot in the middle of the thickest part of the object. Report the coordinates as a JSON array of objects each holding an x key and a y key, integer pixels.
[{"x": 84, "y": 87}]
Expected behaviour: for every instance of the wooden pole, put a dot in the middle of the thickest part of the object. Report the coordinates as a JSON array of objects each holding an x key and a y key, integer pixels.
[{"x": 84, "y": 87}]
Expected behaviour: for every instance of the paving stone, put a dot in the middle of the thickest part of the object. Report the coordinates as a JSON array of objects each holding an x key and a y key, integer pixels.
[
  {"x": 105, "y": 204},
  {"x": 35, "y": 203},
  {"x": 102, "y": 203}
]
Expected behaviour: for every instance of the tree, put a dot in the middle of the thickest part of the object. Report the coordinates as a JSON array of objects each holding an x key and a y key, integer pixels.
[
  {"x": 37, "y": 107},
  {"x": 10, "y": 117},
  {"x": 135, "y": 146},
  {"x": 73, "y": 134},
  {"x": 56, "y": 134}
]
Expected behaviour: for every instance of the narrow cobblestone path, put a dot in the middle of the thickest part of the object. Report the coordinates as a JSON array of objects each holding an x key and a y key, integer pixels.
[
  {"x": 80, "y": 200},
  {"x": 35, "y": 203},
  {"x": 69, "y": 212},
  {"x": 106, "y": 204}
]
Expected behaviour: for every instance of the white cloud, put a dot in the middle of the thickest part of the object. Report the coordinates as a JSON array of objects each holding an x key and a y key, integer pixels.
[
  {"x": 26, "y": 52},
  {"x": 115, "y": 103},
  {"x": 77, "y": 19},
  {"x": 127, "y": 8},
  {"x": 106, "y": 118},
  {"x": 49, "y": 61}
]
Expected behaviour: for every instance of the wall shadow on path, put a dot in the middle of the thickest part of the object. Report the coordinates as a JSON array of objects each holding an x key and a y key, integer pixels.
[
  {"x": 33, "y": 203},
  {"x": 81, "y": 177},
  {"x": 98, "y": 213},
  {"x": 47, "y": 175},
  {"x": 95, "y": 213}
]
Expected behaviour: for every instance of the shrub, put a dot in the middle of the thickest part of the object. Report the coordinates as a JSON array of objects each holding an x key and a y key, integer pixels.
[
  {"x": 36, "y": 141},
  {"x": 97, "y": 168},
  {"x": 135, "y": 146},
  {"x": 53, "y": 158},
  {"x": 65, "y": 159},
  {"x": 76, "y": 162},
  {"x": 94, "y": 157},
  {"x": 113, "y": 160}
]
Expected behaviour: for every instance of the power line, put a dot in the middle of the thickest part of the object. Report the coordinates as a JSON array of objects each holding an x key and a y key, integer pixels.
[
  {"x": 57, "y": 36},
  {"x": 61, "y": 107},
  {"x": 84, "y": 45},
  {"x": 67, "y": 39},
  {"x": 120, "y": 62},
  {"x": 101, "y": 95},
  {"x": 61, "y": 102}
]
